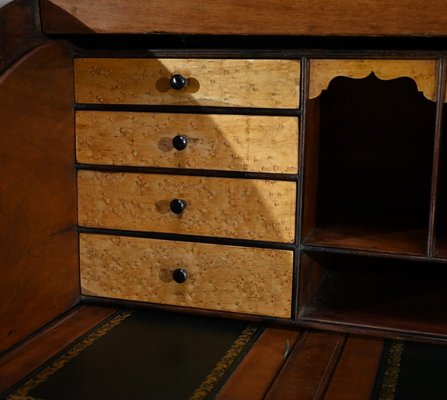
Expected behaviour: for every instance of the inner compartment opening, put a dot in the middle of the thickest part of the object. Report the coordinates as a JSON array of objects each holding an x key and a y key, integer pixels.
[
  {"x": 369, "y": 165},
  {"x": 374, "y": 292}
]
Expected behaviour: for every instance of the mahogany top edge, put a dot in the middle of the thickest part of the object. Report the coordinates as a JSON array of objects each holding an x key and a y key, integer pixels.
[{"x": 248, "y": 17}]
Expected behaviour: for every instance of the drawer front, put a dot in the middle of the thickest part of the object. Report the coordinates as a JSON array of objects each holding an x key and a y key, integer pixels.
[
  {"x": 226, "y": 278},
  {"x": 218, "y": 142},
  {"x": 232, "y": 208},
  {"x": 233, "y": 83}
]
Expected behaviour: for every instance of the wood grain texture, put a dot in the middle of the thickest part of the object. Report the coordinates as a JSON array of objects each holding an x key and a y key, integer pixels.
[
  {"x": 32, "y": 354},
  {"x": 38, "y": 253},
  {"x": 263, "y": 17},
  {"x": 223, "y": 207},
  {"x": 19, "y": 30},
  {"x": 60, "y": 20},
  {"x": 219, "y": 142},
  {"x": 227, "y": 278},
  {"x": 423, "y": 72},
  {"x": 309, "y": 368},
  {"x": 356, "y": 371},
  {"x": 256, "y": 372},
  {"x": 225, "y": 82}
]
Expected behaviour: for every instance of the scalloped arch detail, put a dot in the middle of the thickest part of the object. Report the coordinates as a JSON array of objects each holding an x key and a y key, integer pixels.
[{"x": 423, "y": 72}]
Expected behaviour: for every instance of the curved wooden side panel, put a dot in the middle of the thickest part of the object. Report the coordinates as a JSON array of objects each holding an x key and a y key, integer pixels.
[
  {"x": 39, "y": 276},
  {"x": 423, "y": 72},
  {"x": 20, "y": 30}
]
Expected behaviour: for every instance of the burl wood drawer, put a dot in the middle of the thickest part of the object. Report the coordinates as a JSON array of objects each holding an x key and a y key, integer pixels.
[
  {"x": 227, "y": 278},
  {"x": 222, "y": 207},
  {"x": 233, "y": 83},
  {"x": 218, "y": 142}
]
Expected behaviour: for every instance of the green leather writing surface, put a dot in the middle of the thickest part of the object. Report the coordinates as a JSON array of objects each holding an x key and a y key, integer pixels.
[
  {"x": 147, "y": 355},
  {"x": 412, "y": 371}
]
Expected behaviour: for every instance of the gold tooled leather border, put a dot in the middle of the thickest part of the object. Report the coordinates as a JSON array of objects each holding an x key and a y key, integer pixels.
[
  {"x": 200, "y": 393},
  {"x": 392, "y": 370},
  {"x": 222, "y": 366},
  {"x": 22, "y": 392}
]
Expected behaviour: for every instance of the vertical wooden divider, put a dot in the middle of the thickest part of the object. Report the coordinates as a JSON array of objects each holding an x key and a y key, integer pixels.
[
  {"x": 304, "y": 89},
  {"x": 440, "y": 98}
]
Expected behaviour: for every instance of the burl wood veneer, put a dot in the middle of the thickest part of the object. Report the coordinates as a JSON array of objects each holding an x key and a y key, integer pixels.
[
  {"x": 218, "y": 142},
  {"x": 423, "y": 72},
  {"x": 227, "y": 278},
  {"x": 222, "y": 207},
  {"x": 226, "y": 82}
]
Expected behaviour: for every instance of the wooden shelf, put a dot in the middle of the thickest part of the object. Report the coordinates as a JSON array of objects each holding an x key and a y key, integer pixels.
[
  {"x": 380, "y": 293},
  {"x": 354, "y": 237}
]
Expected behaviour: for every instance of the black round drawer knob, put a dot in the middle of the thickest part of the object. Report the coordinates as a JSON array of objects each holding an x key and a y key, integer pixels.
[
  {"x": 178, "y": 81},
  {"x": 180, "y": 142},
  {"x": 177, "y": 206},
  {"x": 180, "y": 275}
]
